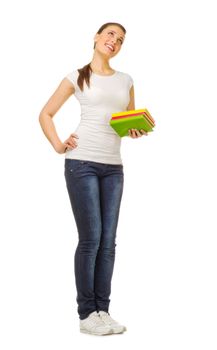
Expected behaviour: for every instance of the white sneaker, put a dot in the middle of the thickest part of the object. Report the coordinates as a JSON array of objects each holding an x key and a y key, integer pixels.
[
  {"x": 93, "y": 324},
  {"x": 116, "y": 327}
]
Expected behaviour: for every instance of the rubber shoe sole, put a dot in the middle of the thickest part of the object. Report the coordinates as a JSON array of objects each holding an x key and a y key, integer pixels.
[{"x": 85, "y": 331}]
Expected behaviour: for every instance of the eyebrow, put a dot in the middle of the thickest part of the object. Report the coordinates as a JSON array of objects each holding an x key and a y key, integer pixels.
[{"x": 121, "y": 37}]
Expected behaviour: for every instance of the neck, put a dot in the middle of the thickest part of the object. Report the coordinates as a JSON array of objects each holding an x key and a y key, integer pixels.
[{"x": 100, "y": 64}]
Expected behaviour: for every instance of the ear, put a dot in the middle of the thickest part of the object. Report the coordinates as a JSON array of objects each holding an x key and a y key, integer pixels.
[{"x": 96, "y": 36}]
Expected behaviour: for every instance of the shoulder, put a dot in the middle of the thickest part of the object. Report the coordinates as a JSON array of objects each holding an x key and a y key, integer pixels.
[
  {"x": 126, "y": 77},
  {"x": 73, "y": 77}
]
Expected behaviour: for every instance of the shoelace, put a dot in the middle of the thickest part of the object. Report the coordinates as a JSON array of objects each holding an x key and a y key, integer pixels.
[
  {"x": 107, "y": 318},
  {"x": 95, "y": 320}
]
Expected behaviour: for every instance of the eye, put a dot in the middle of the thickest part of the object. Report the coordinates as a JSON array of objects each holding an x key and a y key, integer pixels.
[{"x": 120, "y": 40}]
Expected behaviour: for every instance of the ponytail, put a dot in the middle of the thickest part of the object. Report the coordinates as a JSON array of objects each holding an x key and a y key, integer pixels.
[{"x": 84, "y": 75}]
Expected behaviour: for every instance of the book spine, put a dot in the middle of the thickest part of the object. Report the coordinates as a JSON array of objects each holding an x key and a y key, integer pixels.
[
  {"x": 125, "y": 121},
  {"x": 135, "y": 115},
  {"x": 126, "y": 115},
  {"x": 135, "y": 111}
]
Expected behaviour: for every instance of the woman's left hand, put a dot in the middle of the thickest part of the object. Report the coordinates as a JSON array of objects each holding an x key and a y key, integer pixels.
[{"x": 135, "y": 133}]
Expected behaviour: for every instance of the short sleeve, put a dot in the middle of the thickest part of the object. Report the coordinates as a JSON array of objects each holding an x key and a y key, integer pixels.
[
  {"x": 130, "y": 81},
  {"x": 73, "y": 77}
]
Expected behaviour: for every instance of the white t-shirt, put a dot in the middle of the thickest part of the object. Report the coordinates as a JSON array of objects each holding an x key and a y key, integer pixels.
[{"x": 107, "y": 94}]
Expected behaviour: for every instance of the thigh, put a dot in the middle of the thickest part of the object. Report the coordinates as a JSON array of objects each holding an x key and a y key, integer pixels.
[
  {"x": 84, "y": 194},
  {"x": 111, "y": 190}
]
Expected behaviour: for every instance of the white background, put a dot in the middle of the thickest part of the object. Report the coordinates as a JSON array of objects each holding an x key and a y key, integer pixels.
[{"x": 164, "y": 284}]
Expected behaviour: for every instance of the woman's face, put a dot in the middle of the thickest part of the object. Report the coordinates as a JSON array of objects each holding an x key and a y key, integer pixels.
[{"x": 109, "y": 41}]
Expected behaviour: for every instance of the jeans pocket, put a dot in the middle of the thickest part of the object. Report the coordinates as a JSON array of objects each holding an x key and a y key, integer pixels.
[{"x": 72, "y": 165}]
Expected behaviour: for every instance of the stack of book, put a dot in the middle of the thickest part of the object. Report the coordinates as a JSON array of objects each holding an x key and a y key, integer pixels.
[{"x": 135, "y": 119}]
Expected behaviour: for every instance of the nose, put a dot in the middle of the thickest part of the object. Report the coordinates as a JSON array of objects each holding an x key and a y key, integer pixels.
[{"x": 113, "y": 42}]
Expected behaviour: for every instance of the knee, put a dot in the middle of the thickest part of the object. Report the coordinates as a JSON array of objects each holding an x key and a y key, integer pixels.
[
  {"x": 89, "y": 247},
  {"x": 107, "y": 248}
]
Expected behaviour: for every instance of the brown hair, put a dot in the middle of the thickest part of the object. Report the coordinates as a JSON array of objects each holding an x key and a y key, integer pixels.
[{"x": 85, "y": 72}]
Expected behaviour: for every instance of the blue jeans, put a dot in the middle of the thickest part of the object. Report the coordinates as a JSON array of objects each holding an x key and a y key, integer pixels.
[{"x": 95, "y": 192}]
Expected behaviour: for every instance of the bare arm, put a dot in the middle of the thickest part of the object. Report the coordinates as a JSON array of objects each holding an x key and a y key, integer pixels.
[
  {"x": 131, "y": 105},
  {"x": 61, "y": 94}
]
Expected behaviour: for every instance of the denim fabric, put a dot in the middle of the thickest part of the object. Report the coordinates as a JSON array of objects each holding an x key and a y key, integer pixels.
[{"x": 95, "y": 192}]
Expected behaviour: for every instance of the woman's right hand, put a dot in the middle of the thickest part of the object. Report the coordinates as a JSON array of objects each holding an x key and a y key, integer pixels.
[{"x": 68, "y": 144}]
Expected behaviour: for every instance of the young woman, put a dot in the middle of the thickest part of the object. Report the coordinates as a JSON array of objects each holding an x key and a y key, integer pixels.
[{"x": 94, "y": 172}]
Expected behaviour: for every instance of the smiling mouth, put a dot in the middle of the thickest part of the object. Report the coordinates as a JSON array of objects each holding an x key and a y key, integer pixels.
[{"x": 110, "y": 47}]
